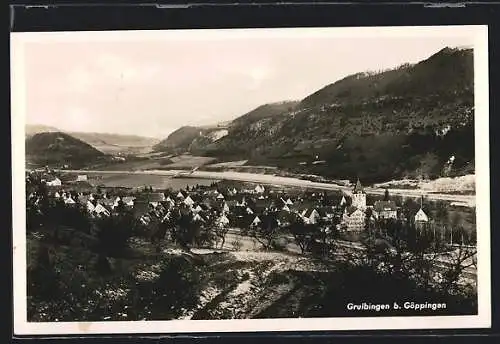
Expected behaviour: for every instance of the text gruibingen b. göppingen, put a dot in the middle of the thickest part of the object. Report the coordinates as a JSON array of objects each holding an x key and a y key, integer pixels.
[{"x": 406, "y": 305}]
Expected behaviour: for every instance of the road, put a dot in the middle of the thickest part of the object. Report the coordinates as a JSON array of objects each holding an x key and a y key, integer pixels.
[{"x": 266, "y": 179}]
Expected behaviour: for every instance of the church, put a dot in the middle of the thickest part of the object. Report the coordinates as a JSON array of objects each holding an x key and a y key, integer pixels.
[{"x": 354, "y": 215}]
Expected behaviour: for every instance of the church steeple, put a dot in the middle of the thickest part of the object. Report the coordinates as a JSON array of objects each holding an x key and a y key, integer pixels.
[
  {"x": 358, "y": 188},
  {"x": 359, "y": 196}
]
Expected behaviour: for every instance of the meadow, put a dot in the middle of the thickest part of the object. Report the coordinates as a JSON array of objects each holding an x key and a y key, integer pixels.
[{"x": 141, "y": 180}]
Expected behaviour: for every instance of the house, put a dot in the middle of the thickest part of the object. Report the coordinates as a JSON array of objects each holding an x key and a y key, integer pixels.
[
  {"x": 354, "y": 219},
  {"x": 285, "y": 218},
  {"x": 116, "y": 202},
  {"x": 54, "y": 182},
  {"x": 153, "y": 198},
  {"x": 311, "y": 216},
  {"x": 81, "y": 178},
  {"x": 241, "y": 203},
  {"x": 343, "y": 201},
  {"x": 197, "y": 218},
  {"x": 225, "y": 208},
  {"x": 223, "y": 220},
  {"x": 256, "y": 221},
  {"x": 420, "y": 217},
  {"x": 128, "y": 201},
  {"x": 385, "y": 210},
  {"x": 145, "y": 219},
  {"x": 180, "y": 195},
  {"x": 101, "y": 210},
  {"x": 259, "y": 189},
  {"x": 90, "y": 206},
  {"x": 188, "y": 201},
  {"x": 107, "y": 202},
  {"x": 220, "y": 196},
  {"x": 326, "y": 213},
  {"x": 69, "y": 200}
]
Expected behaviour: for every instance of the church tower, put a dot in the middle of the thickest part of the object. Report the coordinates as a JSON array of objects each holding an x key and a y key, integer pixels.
[{"x": 359, "y": 196}]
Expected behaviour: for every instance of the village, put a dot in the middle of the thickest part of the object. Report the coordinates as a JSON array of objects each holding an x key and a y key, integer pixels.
[{"x": 250, "y": 209}]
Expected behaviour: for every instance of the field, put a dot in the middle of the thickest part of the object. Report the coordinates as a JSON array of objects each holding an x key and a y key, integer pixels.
[
  {"x": 460, "y": 185},
  {"x": 188, "y": 161},
  {"x": 157, "y": 161},
  {"x": 228, "y": 164}
]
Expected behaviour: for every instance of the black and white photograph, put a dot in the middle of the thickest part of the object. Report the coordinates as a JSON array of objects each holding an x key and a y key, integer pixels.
[{"x": 250, "y": 180}]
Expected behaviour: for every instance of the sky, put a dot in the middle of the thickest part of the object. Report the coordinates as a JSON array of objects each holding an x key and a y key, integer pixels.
[{"x": 151, "y": 86}]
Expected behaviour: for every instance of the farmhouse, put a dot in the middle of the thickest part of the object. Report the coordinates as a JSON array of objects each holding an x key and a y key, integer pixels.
[
  {"x": 256, "y": 221},
  {"x": 101, "y": 210},
  {"x": 128, "y": 201},
  {"x": 259, "y": 189},
  {"x": 188, "y": 201},
  {"x": 421, "y": 217},
  {"x": 54, "y": 181},
  {"x": 197, "y": 218},
  {"x": 385, "y": 210},
  {"x": 69, "y": 200},
  {"x": 81, "y": 178},
  {"x": 311, "y": 216},
  {"x": 223, "y": 220}
]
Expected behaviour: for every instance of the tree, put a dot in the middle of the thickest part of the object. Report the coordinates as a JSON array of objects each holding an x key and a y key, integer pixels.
[
  {"x": 185, "y": 229},
  {"x": 386, "y": 195},
  {"x": 265, "y": 232},
  {"x": 301, "y": 233},
  {"x": 458, "y": 262},
  {"x": 441, "y": 212},
  {"x": 221, "y": 230},
  {"x": 113, "y": 233}
]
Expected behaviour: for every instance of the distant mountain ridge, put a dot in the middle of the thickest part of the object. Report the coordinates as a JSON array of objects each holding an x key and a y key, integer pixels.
[
  {"x": 416, "y": 120},
  {"x": 106, "y": 142}
]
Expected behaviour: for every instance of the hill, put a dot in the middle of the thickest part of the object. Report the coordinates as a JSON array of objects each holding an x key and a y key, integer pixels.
[
  {"x": 58, "y": 149},
  {"x": 411, "y": 121},
  {"x": 105, "y": 142},
  {"x": 266, "y": 111},
  {"x": 197, "y": 139},
  {"x": 32, "y": 129},
  {"x": 179, "y": 140}
]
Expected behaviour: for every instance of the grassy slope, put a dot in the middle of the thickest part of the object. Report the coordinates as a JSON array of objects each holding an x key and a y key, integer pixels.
[
  {"x": 236, "y": 284},
  {"x": 376, "y": 126}
]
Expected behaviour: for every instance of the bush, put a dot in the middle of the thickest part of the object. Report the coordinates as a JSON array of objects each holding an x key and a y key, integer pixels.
[
  {"x": 236, "y": 244},
  {"x": 113, "y": 233}
]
